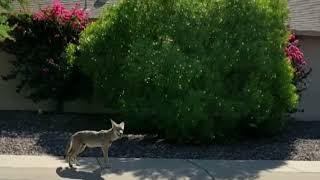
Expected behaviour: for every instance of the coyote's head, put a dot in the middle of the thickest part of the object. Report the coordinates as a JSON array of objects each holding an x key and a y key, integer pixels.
[{"x": 117, "y": 128}]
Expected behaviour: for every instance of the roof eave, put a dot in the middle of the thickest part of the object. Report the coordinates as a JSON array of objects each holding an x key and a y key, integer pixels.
[{"x": 306, "y": 32}]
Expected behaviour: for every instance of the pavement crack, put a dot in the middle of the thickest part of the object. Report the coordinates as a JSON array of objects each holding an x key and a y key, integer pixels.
[
  {"x": 296, "y": 169},
  {"x": 200, "y": 167}
]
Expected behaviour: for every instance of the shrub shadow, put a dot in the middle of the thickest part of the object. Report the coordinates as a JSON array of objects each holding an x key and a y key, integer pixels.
[{"x": 188, "y": 169}]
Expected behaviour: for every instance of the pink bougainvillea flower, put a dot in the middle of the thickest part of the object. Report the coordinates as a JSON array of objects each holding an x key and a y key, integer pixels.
[
  {"x": 292, "y": 37},
  {"x": 37, "y": 16},
  {"x": 293, "y": 53},
  {"x": 81, "y": 27}
]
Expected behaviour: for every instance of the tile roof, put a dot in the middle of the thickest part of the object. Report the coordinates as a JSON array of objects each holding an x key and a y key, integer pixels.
[
  {"x": 304, "y": 14},
  {"x": 94, "y": 6}
]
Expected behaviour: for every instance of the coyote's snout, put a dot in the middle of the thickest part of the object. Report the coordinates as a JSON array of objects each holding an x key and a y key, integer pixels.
[{"x": 82, "y": 139}]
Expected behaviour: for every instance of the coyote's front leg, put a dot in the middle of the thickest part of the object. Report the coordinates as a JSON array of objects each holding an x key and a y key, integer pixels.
[{"x": 105, "y": 150}]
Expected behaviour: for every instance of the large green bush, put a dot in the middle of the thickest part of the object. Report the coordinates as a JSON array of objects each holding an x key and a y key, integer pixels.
[{"x": 191, "y": 69}]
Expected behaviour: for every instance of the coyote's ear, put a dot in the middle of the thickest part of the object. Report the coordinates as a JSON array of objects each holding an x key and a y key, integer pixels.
[
  {"x": 121, "y": 125},
  {"x": 113, "y": 123}
]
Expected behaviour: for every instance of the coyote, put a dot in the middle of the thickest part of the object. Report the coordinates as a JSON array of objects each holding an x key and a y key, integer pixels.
[{"x": 103, "y": 138}]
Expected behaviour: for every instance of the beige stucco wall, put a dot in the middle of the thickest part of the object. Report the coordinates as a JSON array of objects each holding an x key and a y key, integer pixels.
[
  {"x": 10, "y": 100},
  {"x": 311, "y": 97}
]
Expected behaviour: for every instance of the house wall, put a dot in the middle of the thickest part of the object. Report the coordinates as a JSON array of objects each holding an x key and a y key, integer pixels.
[
  {"x": 311, "y": 97},
  {"x": 11, "y": 100}
]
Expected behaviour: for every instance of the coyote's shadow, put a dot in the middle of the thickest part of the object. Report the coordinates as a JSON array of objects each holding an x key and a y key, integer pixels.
[{"x": 73, "y": 173}]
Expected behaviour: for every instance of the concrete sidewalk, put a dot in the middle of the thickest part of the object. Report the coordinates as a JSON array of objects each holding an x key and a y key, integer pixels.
[{"x": 49, "y": 167}]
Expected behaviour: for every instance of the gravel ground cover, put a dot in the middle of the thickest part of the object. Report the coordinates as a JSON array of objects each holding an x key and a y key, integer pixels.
[{"x": 28, "y": 133}]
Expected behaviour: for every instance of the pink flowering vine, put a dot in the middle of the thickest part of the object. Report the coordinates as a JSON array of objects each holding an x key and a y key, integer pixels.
[
  {"x": 76, "y": 17},
  {"x": 298, "y": 62},
  {"x": 293, "y": 52},
  {"x": 47, "y": 74}
]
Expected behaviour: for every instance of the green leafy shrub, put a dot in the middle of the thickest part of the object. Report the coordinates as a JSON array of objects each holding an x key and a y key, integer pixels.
[
  {"x": 4, "y": 28},
  {"x": 190, "y": 69},
  {"x": 39, "y": 46},
  {"x": 6, "y": 7}
]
